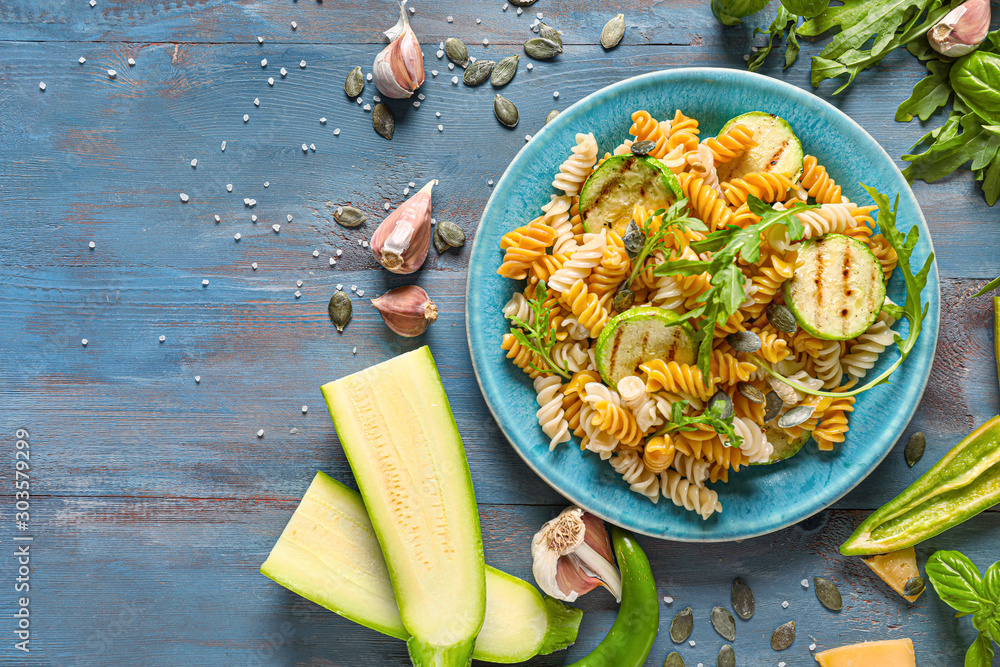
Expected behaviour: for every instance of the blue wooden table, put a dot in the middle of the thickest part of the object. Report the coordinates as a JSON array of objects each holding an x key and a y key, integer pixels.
[{"x": 154, "y": 501}]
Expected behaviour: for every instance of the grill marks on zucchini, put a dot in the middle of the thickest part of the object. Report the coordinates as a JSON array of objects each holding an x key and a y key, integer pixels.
[
  {"x": 837, "y": 289},
  {"x": 778, "y": 150},
  {"x": 609, "y": 195},
  {"x": 639, "y": 335}
]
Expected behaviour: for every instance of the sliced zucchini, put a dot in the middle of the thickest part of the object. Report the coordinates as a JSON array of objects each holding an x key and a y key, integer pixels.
[
  {"x": 778, "y": 150},
  {"x": 785, "y": 446},
  {"x": 618, "y": 184},
  {"x": 640, "y": 335},
  {"x": 838, "y": 287}
]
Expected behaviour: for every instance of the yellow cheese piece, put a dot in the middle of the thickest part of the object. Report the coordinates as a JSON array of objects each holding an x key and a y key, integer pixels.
[
  {"x": 889, "y": 653},
  {"x": 895, "y": 569}
]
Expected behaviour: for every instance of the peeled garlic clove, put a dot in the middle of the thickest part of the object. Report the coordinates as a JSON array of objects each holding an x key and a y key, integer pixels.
[
  {"x": 962, "y": 29},
  {"x": 399, "y": 67},
  {"x": 401, "y": 242},
  {"x": 571, "y": 556},
  {"x": 407, "y": 310}
]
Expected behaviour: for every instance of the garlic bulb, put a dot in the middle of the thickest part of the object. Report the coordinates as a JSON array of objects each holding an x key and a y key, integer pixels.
[
  {"x": 407, "y": 310},
  {"x": 399, "y": 67},
  {"x": 401, "y": 242},
  {"x": 962, "y": 29},
  {"x": 571, "y": 556}
]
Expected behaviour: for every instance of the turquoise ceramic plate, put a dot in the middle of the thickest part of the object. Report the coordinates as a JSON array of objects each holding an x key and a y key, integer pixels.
[{"x": 759, "y": 499}]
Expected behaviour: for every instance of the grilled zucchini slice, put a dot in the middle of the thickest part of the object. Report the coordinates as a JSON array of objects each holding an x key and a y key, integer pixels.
[
  {"x": 618, "y": 184},
  {"x": 778, "y": 150},
  {"x": 639, "y": 335}
]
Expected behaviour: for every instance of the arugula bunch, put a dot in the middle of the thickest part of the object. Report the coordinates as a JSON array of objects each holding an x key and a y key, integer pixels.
[
  {"x": 537, "y": 334},
  {"x": 785, "y": 25},
  {"x": 712, "y": 416},
  {"x": 727, "y": 281},
  {"x": 957, "y": 581},
  {"x": 912, "y": 309},
  {"x": 673, "y": 220}
]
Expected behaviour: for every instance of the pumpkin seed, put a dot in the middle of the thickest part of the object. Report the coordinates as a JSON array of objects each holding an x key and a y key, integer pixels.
[
  {"x": 634, "y": 239},
  {"x": 552, "y": 114},
  {"x": 828, "y": 594},
  {"x": 795, "y": 416},
  {"x": 348, "y": 216},
  {"x": 548, "y": 32},
  {"x": 743, "y": 341},
  {"x": 450, "y": 233},
  {"x": 643, "y": 147},
  {"x": 383, "y": 121},
  {"x": 504, "y": 110},
  {"x": 682, "y": 625},
  {"x": 723, "y": 623},
  {"x": 457, "y": 51},
  {"x": 439, "y": 243},
  {"x": 742, "y": 596},
  {"x": 354, "y": 83},
  {"x": 915, "y": 448},
  {"x": 727, "y": 656},
  {"x": 772, "y": 406},
  {"x": 340, "y": 310},
  {"x": 914, "y": 586},
  {"x": 613, "y": 32},
  {"x": 781, "y": 318},
  {"x": 540, "y": 48},
  {"x": 478, "y": 72},
  {"x": 522, "y": 3},
  {"x": 674, "y": 660},
  {"x": 624, "y": 298},
  {"x": 750, "y": 392},
  {"x": 504, "y": 71},
  {"x": 720, "y": 405},
  {"x": 783, "y": 636}
]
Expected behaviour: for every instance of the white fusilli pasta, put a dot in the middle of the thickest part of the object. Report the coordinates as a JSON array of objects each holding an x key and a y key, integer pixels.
[
  {"x": 580, "y": 263},
  {"x": 629, "y": 465},
  {"x": 570, "y": 355},
  {"x": 557, "y": 217},
  {"x": 518, "y": 307},
  {"x": 755, "y": 444},
  {"x": 550, "y": 415},
  {"x": 868, "y": 347},
  {"x": 695, "y": 470},
  {"x": 574, "y": 329},
  {"x": 828, "y": 364},
  {"x": 575, "y": 170},
  {"x": 702, "y": 164},
  {"x": 828, "y": 219},
  {"x": 640, "y": 402},
  {"x": 683, "y": 493},
  {"x": 594, "y": 439}
]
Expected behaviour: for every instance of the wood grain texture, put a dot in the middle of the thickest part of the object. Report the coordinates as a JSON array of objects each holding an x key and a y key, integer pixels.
[{"x": 156, "y": 501}]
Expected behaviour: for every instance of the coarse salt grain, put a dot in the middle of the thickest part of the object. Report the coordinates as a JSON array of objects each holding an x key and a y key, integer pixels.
[
  {"x": 413, "y": 10},
  {"x": 91, "y": 245},
  {"x": 416, "y": 104},
  {"x": 302, "y": 64},
  {"x": 223, "y": 146},
  {"x": 322, "y": 121},
  {"x": 440, "y": 128},
  {"x": 490, "y": 182},
  {"x": 297, "y": 294},
  {"x": 340, "y": 252},
  {"x": 812, "y": 647},
  {"x": 267, "y": 184},
  {"x": 354, "y": 288},
  {"x": 229, "y": 187},
  {"x": 406, "y": 191},
  {"x": 340, "y": 286},
  {"x": 276, "y": 228},
  {"x": 805, "y": 583},
  {"x": 454, "y": 80},
  {"x": 253, "y": 218},
  {"x": 336, "y": 132},
  {"x": 194, "y": 163},
  {"x": 260, "y": 433},
  {"x": 369, "y": 76},
  {"x": 184, "y": 197},
  {"x": 368, "y": 107},
  {"x": 451, "y": 65},
  {"x": 333, "y": 261},
  {"x": 361, "y": 292},
  {"x": 256, "y": 101},
  {"x": 530, "y": 67},
  {"x": 505, "y": 5},
  {"x": 440, "y": 54},
  {"x": 555, "y": 94},
  {"x": 204, "y": 283},
  {"x": 197, "y": 379},
  {"x": 667, "y": 599},
  {"x": 412, "y": 184},
  {"x": 263, "y": 62},
  {"x": 82, "y": 60},
  {"x": 93, "y": 3},
  {"x": 41, "y": 85},
  {"x": 131, "y": 62},
  {"x": 527, "y": 137},
  {"x": 163, "y": 339},
  {"x": 519, "y": 11},
  {"x": 217, "y": 218},
  {"x": 84, "y": 342},
  {"x": 112, "y": 74},
  {"x": 354, "y": 351},
  {"x": 437, "y": 114},
  {"x": 539, "y": 15},
  {"x": 270, "y": 80},
  {"x": 434, "y": 72},
  {"x": 478, "y": 21},
  {"x": 260, "y": 40},
  {"x": 294, "y": 25},
  {"x": 386, "y": 205},
  {"x": 691, "y": 642},
  {"x": 315, "y": 253},
  {"x": 283, "y": 72},
  {"x": 246, "y": 117},
  {"x": 298, "y": 283},
  {"x": 254, "y": 266},
  {"x": 784, "y": 605},
  {"x": 288, "y": 217},
  {"x": 237, "y": 236},
  {"x": 305, "y": 409},
  {"x": 486, "y": 42},
  {"x": 781, "y": 664},
  {"x": 305, "y": 148},
  {"x": 451, "y": 19}
]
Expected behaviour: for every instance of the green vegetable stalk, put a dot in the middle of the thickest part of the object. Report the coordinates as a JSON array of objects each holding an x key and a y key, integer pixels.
[
  {"x": 631, "y": 637},
  {"x": 957, "y": 581},
  {"x": 962, "y": 484}
]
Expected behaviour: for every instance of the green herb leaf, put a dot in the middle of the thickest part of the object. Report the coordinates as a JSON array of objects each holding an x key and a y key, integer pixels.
[
  {"x": 892, "y": 310},
  {"x": 674, "y": 219},
  {"x": 806, "y": 8},
  {"x": 930, "y": 94},
  {"x": 729, "y": 12},
  {"x": 782, "y": 26},
  {"x": 681, "y": 422},
  {"x": 988, "y": 287},
  {"x": 977, "y": 141},
  {"x": 956, "y": 580},
  {"x": 980, "y": 653},
  {"x": 976, "y": 80},
  {"x": 538, "y": 336},
  {"x": 991, "y": 586}
]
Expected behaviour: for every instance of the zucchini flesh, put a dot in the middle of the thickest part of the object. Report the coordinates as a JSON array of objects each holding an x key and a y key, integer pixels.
[
  {"x": 621, "y": 182},
  {"x": 639, "y": 335},
  {"x": 838, "y": 287},
  {"x": 778, "y": 150},
  {"x": 783, "y": 445},
  {"x": 400, "y": 437},
  {"x": 328, "y": 553}
]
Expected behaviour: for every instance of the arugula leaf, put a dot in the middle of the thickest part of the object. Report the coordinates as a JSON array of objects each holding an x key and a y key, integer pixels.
[
  {"x": 675, "y": 218},
  {"x": 681, "y": 422},
  {"x": 912, "y": 309},
  {"x": 930, "y": 94},
  {"x": 784, "y": 25},
  {"x": 988, "y": 287},
  {"x": 977, "y": 141},
  {"x": 956, "y": 580},
  {"x": 727, "y": 291},
  {"x": 980, "y": 653},
  {"x": 729, "y": 12},
  {"x": 892, "y": 310},
  {"x": 537, "y": 334}
]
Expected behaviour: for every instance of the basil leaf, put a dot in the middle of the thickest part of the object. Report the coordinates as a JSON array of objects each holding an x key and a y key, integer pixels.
[
  {"x": 956, "y": 580},
  {"x": 991, "y": 583},
  {"x": 976, "y": 79},
  {"x": 806, "y": 8},
  {"x": 930, "y": 94},
  {"x": 731, "y": 11},
  {"x": 980, "y": 654}
]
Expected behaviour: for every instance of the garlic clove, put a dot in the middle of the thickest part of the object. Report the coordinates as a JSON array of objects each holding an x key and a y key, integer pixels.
[
  {"x": 399, "y": 67},
  {"x": 962, "y": 29},
  {"x": 571, "y": 556},
  {"x": 401, "y": 242},
  {"x": 407, "y": 310}
]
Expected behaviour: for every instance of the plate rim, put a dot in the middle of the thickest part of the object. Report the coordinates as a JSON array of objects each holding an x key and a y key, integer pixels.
[{"x": 710, "y": 72}]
